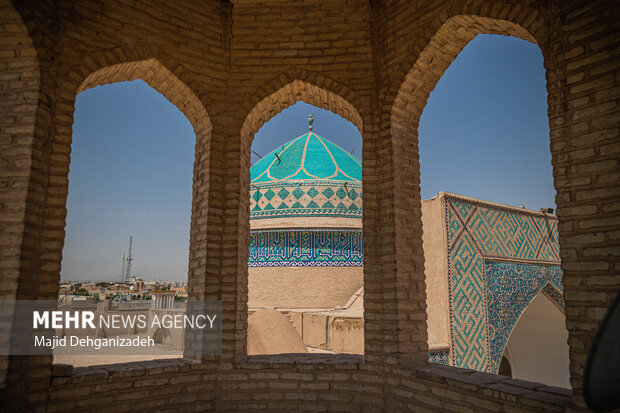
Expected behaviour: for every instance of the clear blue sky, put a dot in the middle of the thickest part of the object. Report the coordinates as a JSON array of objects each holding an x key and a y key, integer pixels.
[{"x": 484, "y": 133}]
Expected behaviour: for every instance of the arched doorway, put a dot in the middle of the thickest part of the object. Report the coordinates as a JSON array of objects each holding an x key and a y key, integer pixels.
[{"x": 538, "y": 345}]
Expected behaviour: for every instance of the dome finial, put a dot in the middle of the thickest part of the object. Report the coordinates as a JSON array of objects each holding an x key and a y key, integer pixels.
[{"x": 310, "y": 122}]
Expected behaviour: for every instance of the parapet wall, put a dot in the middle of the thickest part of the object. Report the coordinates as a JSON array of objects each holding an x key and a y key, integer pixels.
[{"x": 310, "y": 383}]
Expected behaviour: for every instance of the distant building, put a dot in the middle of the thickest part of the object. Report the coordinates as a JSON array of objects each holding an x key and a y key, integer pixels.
[{"x": 494, "y": 289}]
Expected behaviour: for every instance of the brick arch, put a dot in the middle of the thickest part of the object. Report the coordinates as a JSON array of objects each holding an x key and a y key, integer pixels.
[
  {"x": 436, "y": 54},
  {"x": 300, "y": 85},
  {"x": 48, "y": 180},
  {"x": 287, "y": 89},
  {"x": 157, "y": 76},
  {"x": 432, "y": 58},
  {"x": 453, "y": 28}
]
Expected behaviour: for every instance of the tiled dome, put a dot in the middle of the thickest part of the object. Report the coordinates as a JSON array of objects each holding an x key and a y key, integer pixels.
[
  {"x": 308, "y": 157},
  {"x": 308, "y": 176}
]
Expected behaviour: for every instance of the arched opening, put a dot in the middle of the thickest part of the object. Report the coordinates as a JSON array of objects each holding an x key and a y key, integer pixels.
[
  {"x": 131, "y": 180},
  {"x": 305, "y": 275},
  {"x": 483, "y": 123},
  {"x": 504, "y": 368},
  {"x": 487, "y": 117},
  {"x": 538, "y": 344},
  {"x": 469, "y": 241},
  {"x": 158, "y": 77}
]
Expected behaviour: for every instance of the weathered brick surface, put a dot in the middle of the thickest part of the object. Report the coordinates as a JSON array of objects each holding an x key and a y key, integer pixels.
[{"x": 230, "y": 67}]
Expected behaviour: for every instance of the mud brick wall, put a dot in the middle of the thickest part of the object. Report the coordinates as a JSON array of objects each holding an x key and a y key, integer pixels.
[{"x": 230, "y": 66}]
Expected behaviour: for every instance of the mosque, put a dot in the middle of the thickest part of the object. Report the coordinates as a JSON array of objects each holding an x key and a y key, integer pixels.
[
  {"x": 306, "y": 226},
  {"x": 493, "y": 277}
]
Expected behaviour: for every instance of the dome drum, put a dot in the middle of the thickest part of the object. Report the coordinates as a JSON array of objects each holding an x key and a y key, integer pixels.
[{"x": 305, "y": 199}]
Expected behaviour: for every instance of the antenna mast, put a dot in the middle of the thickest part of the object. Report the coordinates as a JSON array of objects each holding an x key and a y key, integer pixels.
[
  {"x": 128, "y": 261},
  {"x": 123, "y": 271}
]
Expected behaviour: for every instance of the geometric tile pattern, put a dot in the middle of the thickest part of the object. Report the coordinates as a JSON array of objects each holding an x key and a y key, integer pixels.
[
  {"x": 306, "y": 248},
  {"x": 307, "y": 198},
  {"x": 511, "y": 287},
  {"x": 477, "y": 232},
  {"x": 308, "y": 176},
  {"x": 503, "y": 233},
  {"x": 555, "y": 294},
  {"x": 439, "y": 357}
]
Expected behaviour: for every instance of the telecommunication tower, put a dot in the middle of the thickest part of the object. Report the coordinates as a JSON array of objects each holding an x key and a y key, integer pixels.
[
  {"x": 123, "y": 270},
  {"x": 128, "y": 260}
]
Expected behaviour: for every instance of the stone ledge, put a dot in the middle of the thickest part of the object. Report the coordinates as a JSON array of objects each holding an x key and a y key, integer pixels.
[
  {"x": 302, "y": 358},
  {"x": 496, "y": 385},
  {"x": 62, "y": 370},
  {"x": 64, "y": 373},
  {"x": 131, "y": 369}
]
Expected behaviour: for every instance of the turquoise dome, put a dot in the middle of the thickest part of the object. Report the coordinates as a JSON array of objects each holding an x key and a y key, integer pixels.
[
  {"x": 309, "y": 176},
  {"x": 308, "y": 157}
]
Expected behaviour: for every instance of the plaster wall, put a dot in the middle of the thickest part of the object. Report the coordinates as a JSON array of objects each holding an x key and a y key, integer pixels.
[
  {"x": 314, "y": 331},
  {"x": 173, "y": 337},
  {"x": 435, "y": 269},
  {"x": 538, "y": 345},
  {"x": 302, "y": 287},
  {"x": 339, "y": 334},
  {"x": 346, "y": 334}
]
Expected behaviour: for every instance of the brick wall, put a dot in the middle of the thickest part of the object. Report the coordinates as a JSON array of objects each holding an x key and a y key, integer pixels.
[{"x": 231, "y": 66}]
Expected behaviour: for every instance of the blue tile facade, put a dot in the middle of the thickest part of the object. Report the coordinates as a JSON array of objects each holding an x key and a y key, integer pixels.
[
  {"x": 439, "y": 357},
  {"x": 306, "y": 248},
  {"x": 511, "y": 287},
  {"x": 485, "y": 242}
]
